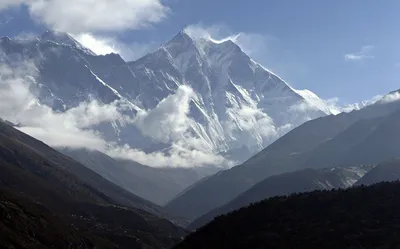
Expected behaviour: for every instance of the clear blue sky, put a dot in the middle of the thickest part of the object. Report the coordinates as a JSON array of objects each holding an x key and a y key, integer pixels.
[{"x": 305, "y": 42}]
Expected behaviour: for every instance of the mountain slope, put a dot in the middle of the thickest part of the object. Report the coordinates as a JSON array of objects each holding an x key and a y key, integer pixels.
[
  {"x": 78, "y": 200},
  {"x": 346, "y": 139},
  {"x": 286, "y": 184},
  {"x": 363, "y": 217},
  {"x": 157, "y": 185}
]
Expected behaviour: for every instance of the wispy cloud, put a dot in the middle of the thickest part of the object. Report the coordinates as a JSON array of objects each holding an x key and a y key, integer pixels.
[
  {"x": 364, "y": 53},
  {"x": 250, "y": 43}
]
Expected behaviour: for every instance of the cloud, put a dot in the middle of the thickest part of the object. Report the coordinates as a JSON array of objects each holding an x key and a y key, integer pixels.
[
  {"x": 168, "y": 121},
  {"x": 364, "y": 53},
  {"x": 179, "y": 156},
  {"x": 251, "y": 126},
  {"x": 19, "y": 105},
  {"x": 216, "y": 32},
  {"x": 250, "y": 43},
  {"x": 102, "y": 45},
  {"x": 336, "y": 107},
  {"x": 391, "y": 97},
  {"x": 79, "y": 16},
  {"x": 303, "y": 107},
  {"x": 10, "y": 3}
]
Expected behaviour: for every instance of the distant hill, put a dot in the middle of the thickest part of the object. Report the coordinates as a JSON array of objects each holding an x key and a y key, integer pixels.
[
  {"x": 47, "y": 200},
  {"x": 362, "y": 217},
  {"x": 288, "y": 183},
  {"x": 384, "y": 172}
]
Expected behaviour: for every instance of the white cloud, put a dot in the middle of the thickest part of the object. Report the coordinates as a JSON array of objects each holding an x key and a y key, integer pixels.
[
  {"x": 303, "y": 107},
  {"x": 78, "y": 16},
  {"x": 216, "y": 32},
  {"x": 168, "y": 121},
  {"x": 85, "y": 17},
  {"x": 336, "y": 107},
  {"x": 389, "y": 98},
  {"x": 364, "y": 53},
  {"x": 251, "y": 119},
  {"x": 250, "y": 43},
  {"x": 179, "y": 156},
  {"x": 102, "y": 45},
  {"x": 19, "y": 105},
  {"x": 251, "y": 126}
]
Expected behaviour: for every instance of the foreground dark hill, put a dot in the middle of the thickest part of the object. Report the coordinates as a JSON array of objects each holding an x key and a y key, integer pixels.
[
  {"x": 157, "y": 185},
  {"x": 27, "y": 147},
  {"x": 26, "y": 224},
  {"x": 362, "y": 217},
  {"x": 367, "y": 136},
  {"x": 288, "y": 183},
  {"x": 47, "y": 200}
]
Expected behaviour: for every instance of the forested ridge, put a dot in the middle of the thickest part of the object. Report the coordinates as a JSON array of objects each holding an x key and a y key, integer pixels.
[{"x": 360, "y": 217}]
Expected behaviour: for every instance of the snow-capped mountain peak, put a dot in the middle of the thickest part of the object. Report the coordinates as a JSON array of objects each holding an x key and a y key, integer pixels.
[{"x": 235, "y": 107}]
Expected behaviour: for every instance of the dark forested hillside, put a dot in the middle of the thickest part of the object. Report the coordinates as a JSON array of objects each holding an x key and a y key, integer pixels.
[
  {"x": 47, "y": 200},
  {"x": 288, "y": 183},
  {"x": 362, "y": 217}
]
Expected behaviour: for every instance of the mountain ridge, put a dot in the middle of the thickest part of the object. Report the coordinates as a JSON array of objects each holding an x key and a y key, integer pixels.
[{"x": 359, "y": 217}]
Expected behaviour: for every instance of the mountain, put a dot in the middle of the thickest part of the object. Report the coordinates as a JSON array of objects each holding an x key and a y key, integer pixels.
[
  {"x": 362, "y": 217},
  {"x": 385, "y": 172},
  {"x": 157, "y": 185},
  {"x": 48, "y": 200},
  {"x": 231, "y": 106},
  {"x": 285, "y": 184},
  {"x": 367, "y": 136}
]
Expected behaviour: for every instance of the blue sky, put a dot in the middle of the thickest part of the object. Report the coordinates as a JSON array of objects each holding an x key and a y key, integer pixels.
[{"x": 345, "y": 49}]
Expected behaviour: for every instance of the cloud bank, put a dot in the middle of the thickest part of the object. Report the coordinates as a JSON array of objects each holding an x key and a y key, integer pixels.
[
  {"x": 389, "y": 98},
  {"x": 77, "y": 16}
]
